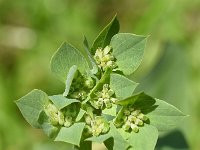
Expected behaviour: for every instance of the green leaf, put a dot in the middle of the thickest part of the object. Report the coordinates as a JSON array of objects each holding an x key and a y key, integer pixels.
[
  {"x": 64, "y": 58},
  {"x": 31, "y": 105},
  {"x": 94, "y": 66},
  {"x": 128, "y": 49},
  {"x": 145, "y": 139},
  {"x": 111, "y": 111},
  {"x": 119, "y": 142},
  {"x": 122, "y": 86},
  {"x": 70, "y": 77},
  {"x": 100, "y": 139},
  {"x": 103, "y": 39},
  {"x": 60, "y": 101},
  {"x": 140, "y": 100},
  {"x": 165, "y": 116},
  {"x": 72, "y": 134},
  {"x": 80, "y": 115}
]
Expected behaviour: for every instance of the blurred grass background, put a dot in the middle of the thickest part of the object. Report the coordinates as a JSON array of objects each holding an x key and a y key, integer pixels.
[{"x": 31, "y": 31}]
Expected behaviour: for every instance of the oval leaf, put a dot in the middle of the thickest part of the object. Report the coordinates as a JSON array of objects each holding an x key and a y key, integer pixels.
[
  {"x": 64, "y": 58},
  {"x": 128, "y": 49},
  {"x": 31, "y": 105}
]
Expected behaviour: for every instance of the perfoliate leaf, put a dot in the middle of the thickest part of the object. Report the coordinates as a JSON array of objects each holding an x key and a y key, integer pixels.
[
  {"x": 122, "y": 86},
  {"x": 145, "y": 139},
  {"x": 103, "y": 39},
  {"x": 72, "y": 134},
  {"x": 60, "y": 101},
  {"x": 70, "y": 76},
  {"x": 31, "y": 105},
  {"x": 64, "y": 58},
  {"x": 140, "y": 100},
  {"x": 165, "y": 116},
  {"x": 128, "y": 49}
]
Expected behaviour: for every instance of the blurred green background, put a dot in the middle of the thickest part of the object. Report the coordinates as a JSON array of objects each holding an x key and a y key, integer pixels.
[{"x": 31, "y": 31}]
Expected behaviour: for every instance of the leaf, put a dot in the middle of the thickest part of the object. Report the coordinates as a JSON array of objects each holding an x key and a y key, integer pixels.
[
  {"x": 119, "y": 142},
  {"x": 72, "y": 134},
  {"x": 128, "y": 49},
  {"x": 70, "y": 76},
  {"x": 31, "y": 105},
  {"x": 99, "y": 139},
  {"x": 165, "y": 116},
  {"x": 111, "y": 111},
  {"x": 60, "y": 101},
  {"x": 80, "y": 115},
  {"x": 145, "y": 139},
  {"x": 94, "y": 66},
  {"x": 64, "y": 58},
  {"x": 122, "y": 86},
  {"x": 140, "y": 100},
  {"x": 103, "y": 39}
]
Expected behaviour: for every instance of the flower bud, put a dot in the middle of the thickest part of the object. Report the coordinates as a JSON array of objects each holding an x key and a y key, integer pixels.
[
  {"x": 127, "y": 112},
  {"x": 132, "y": 118},
  {"x": 113, "y": 100},
  {"x": 126, "y": 126},
  {"x": 134, "y": 128},
  {"x": 138, "y": 122},
  {"x": 107, "y": 49},
  {"x": 135, "y": 112},
  {"x": 89, "y": 83},
  {"x": 68, "y": 121},
  {"x": 106, "y": 128},
  {"x": 88, "y": 119},
  {"x": 142, "y": 117}
]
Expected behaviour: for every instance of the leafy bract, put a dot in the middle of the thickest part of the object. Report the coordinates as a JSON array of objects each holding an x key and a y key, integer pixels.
[
  {"x": 145, "y": 139},
  {"x": 31, "y": 105},
  {"x": 128, "y": 49},
  {"x": 70, "y": 76},
  {"x": 94, "y": 67},
  {"x": 165, "y": 116},
  {"x": 64, "y": 58},
  {"x": 103, "y": 39},
  {"x": 122, "y": 86},
  {"x": 60, "y": 101},
  {"x": 72, "y": 134}
]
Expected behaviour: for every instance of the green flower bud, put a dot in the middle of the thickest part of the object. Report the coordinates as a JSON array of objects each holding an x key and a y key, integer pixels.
[
  {"x": 68, "y": 121},
  {"x": 107, "y": 49},
  {"x": 99, "y": 103},
  {"x": 113, "y": 100},
  {"x": 142, "y": 117},
  {"x": 108, "y": 105},
  {"x": 127, "y": 112},
  {"x": 110, "y": 92},
  {"x": 126, "y": 126},
  {"x": 106, "y": 128},
  {"x": 134, "y": 128},
  {"x": 138, "y": 122},
  {"x": 89, "y": 83},
  {"x": 135, "y": 112},
  {"x": 132, "y": 118},
  {"x": 88, "y": 119}
]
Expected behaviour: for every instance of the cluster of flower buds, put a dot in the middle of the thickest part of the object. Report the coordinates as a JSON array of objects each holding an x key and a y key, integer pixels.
[
  {"x": 96, "y": 126},
  {"x": 105, "y": 97},
  {"x": 104, "y": 58},
  {"x": 62, "y": 118},
  {"x": 131, "y": 119},
  {"x": 79, "y": 87}
]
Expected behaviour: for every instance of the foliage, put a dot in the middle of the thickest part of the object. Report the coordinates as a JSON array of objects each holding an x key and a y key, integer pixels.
[{"x": 98, "y": 103}]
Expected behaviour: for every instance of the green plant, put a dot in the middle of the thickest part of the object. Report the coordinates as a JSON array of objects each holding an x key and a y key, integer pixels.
[{"x": 98, "y": 104}]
